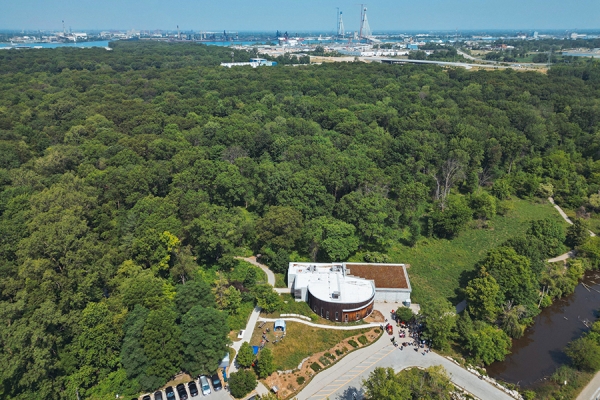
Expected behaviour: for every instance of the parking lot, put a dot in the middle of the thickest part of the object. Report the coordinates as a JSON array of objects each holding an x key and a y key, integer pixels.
[{"x": 218, "y": 395}]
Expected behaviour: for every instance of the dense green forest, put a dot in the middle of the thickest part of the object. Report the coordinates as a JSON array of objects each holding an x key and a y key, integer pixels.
[{"x": 130, "y": 178}]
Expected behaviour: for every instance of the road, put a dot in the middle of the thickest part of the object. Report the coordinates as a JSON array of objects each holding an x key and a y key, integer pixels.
[
  {"x": 344, "y": 379},
  {"x": 592, "y": 390}
]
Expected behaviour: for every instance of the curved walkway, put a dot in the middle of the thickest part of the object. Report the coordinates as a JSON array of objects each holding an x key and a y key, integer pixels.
[
  {"x": 344, "y": 379},
  {"x": 335, "y": 327}
]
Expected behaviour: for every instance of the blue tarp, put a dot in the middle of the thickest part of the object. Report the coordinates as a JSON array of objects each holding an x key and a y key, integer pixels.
[{"x": 255, "y": 349}]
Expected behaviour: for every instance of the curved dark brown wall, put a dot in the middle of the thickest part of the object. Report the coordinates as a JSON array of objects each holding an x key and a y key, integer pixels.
[{"x": 321, "y": 307}]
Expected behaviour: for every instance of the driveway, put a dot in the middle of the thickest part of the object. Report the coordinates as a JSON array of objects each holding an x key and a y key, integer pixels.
[{"x": 344, "y": 379}]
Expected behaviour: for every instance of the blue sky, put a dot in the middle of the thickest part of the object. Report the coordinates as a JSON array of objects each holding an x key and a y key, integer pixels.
[{"x": 300, "y": 15}]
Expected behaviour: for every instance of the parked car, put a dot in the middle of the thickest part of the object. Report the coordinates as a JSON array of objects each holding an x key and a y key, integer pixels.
[
  {"x": 193, "y": 389},
  {"x": 146, "y": 397},
  {"x": 216, "y": 382},
  {"x": 158, "y": 395},
  {"x": 170, "y": 393},
  {"x": 204, "y": 385},
  {"x": 183, "y": 395}
]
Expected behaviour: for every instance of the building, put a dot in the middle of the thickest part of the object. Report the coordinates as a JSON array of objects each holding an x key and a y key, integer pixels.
[
  {"x": 346, "y": 291},
  {"x": 254, "y": 62}
]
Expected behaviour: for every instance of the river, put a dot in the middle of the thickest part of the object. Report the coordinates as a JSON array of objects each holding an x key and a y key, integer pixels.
[{"x": 540, "y": 351}]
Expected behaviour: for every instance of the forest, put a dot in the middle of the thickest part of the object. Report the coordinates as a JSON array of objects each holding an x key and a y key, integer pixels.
[{"x": 130, "y": 180}]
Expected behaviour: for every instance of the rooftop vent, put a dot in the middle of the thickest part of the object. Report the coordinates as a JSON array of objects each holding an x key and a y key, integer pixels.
[{"x": 335, "y": 295}]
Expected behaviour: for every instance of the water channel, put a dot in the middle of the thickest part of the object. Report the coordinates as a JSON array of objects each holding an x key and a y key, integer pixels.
[{"x": 540, "y": 351}]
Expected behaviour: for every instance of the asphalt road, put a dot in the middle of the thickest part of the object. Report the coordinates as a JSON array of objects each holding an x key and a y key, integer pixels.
[{"x": 344, "y": 379}]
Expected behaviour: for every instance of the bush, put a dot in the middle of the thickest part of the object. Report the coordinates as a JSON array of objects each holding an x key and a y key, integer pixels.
[
  {"x": 316, "y": 367},
  {"x": 363, "y": 340},
  {"x": 330, "y": 355},
  {"x": 300, "y": 380},
  {"x": 324, "y": 360},
  {"x": 338, "y": 352},
  {"x": 376, "y": 331},
  {"x": 241, "y": 383},
  {"x": 352, "y": 343}
]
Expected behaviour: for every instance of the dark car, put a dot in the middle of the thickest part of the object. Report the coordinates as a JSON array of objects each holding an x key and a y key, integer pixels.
[
  {"x": 158, "y": 396},
  {"x": 146, "y": 397},
  {"x": 216, "y": 382},
  {"x": 193, "y": 389},
  {"x": 182, "y": 392},
  {"x": 170, "y": 393}
]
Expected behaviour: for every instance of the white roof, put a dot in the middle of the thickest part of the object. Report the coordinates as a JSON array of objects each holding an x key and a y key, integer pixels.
[{"x": 329, "y": 282}]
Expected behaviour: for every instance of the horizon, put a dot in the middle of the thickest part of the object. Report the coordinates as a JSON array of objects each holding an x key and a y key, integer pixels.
[{"x": 308, "y": 16}]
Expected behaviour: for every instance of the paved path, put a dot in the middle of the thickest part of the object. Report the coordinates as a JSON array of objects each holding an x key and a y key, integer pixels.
[
  {"x": 335, "y": 327},
  {"x": 344, "y": 379},
  {"x": 592, "y": 390}
]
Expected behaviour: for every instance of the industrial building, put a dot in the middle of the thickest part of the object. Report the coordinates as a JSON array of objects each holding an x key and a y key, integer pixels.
[{"x": 346, "y": 291}]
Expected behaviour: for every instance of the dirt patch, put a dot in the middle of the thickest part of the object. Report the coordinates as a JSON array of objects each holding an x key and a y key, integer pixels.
[
  {"x": 179, "y": 378},
  {"x": 290, "y": 383},
  {"x": 376, "y": 316}
]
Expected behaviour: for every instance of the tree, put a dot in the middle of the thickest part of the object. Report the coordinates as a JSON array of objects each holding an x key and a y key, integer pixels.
[
  {"x": 584, "y": 353},
  {"x": 242, "y": 382},
  {"x": 591, "y": 250},
  {"x": 267, "y": 298},
  {"x": 449, "y": 173},
  {"x": 194, "y": 293},
  {"x": 487, "y": 343},
  {"x": 577, "y": 234},
  {"x": 484, "y": 298},
  {"x": 513, "y": 274},
  {"x": 440, "y": 320},
  {"x": 280, "y": 227},
  {"x": 450, "y": 220},
  {"x": 265, "y": 365},
  {"x": 382, "y": 384},
  {"x": 336, "y": 238},
  {"x": 550, "y": 233},
  {"x": 245, "y": 356},
  {"x": 161, "y": 346},
  {"x": 404, "y": 314},
  {"x": 204, "y": 339},
  {"x": 133, "y": 357}
]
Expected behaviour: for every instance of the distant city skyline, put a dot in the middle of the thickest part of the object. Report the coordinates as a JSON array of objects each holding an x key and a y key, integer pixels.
[{"x": 301, "y": 16}]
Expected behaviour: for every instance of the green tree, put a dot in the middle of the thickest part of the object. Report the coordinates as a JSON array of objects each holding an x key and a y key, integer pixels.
[
  {"x": 204, "y": 339},
  {"x": 404, "y": 314},
  {"x": 449, "y": 222},
  {"x": 513, "y": 274},
  {"x": 584, "y": 353},
  {"x": 280, "y": 227},
  {"x": 242, "y": 382},
  {"x": 194, "y": 293},
  {"x": 334, "y": 237},
  {"x": 267, "y": 298},
  {"x": 487, "y": 343},
  {"x": 577, "y": 234},
  {"x": 133, "y": 357},
  {"x": 484, "y": 298},
  {"x": 440, "y": 321},
  {"x": 161, "y": 346},
  {"x": 245, "y": 356},
  {"x": 265, "y": 366},
  {"x": 382, "y": 384}
]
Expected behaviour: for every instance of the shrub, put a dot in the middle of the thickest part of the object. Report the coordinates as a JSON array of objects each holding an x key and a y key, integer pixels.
[
  {"x": 363, "y": 340},
  {"x": 376, "y": 331},
  {"x": 300, "y": 380},
  {"x": 241, "y": 383},
  {"x": 330, "y": 355},
  {"x": 316, "y": 367},
  {"x": 338, "y": 352},
  {"x": 324, "y": 360},
  {"x": 352, "y": 343}
]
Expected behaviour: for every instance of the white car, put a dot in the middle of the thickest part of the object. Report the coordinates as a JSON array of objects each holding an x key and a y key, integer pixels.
[{"x": 205, "y": 386}]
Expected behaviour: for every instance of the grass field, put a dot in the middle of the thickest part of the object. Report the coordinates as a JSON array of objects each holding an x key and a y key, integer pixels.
[
  {"x": 300, "y": 342},
  {"x": 436, "y": 265}
]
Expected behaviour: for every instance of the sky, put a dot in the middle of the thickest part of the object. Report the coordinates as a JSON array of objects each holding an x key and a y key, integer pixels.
[{"x": 299, "y": 15}]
